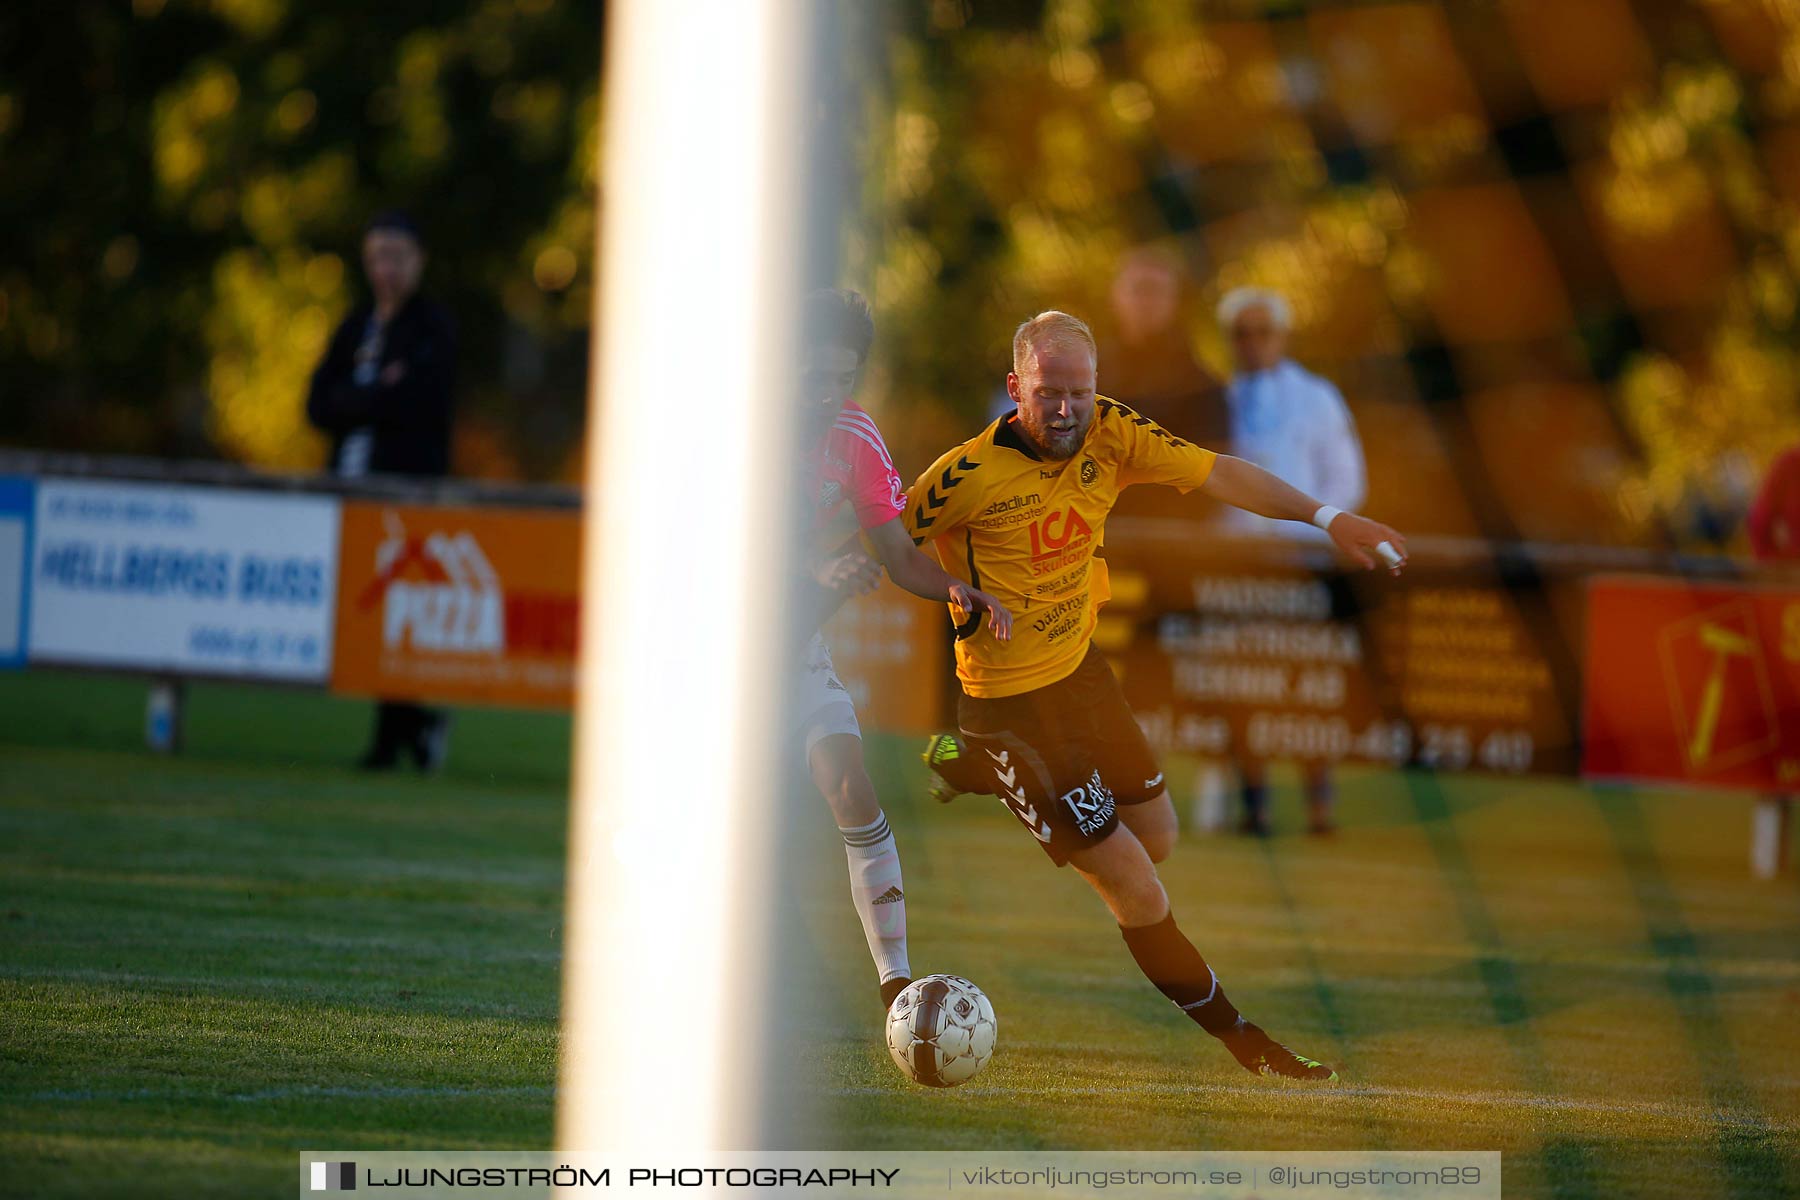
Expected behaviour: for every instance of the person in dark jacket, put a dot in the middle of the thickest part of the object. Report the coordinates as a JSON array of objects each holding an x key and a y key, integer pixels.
[
  {"x": 383, "y": 391},
  {"x": 383, "y": 396}
]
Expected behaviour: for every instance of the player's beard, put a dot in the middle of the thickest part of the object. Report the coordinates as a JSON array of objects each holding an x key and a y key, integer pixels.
[{"x": 1052, "y": 444}]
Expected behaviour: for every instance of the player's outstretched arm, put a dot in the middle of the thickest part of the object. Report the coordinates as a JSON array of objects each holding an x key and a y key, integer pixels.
[
  {"x": 1245, "y": 485},
  {"x": 913, "y": 570}
]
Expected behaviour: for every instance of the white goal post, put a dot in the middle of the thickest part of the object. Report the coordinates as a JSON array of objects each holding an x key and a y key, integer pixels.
[{"x": 668, "y": 874}]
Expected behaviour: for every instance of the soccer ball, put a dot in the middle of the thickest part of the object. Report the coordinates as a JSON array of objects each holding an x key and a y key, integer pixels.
[{"x": 941, "y": 1030}]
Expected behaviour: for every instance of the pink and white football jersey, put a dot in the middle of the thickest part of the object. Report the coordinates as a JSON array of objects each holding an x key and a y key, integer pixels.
[{"x": 851, "y": 463}]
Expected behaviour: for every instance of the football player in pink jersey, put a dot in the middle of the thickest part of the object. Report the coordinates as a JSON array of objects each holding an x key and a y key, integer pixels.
[{"x": 847, "y": 462}]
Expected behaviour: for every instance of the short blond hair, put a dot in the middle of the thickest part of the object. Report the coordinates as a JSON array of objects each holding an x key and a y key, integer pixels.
[{"x": 1047, "y": 329}]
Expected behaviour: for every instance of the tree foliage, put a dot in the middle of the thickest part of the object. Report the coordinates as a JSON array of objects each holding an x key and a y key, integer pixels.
[{"x": 184, "y": 186}]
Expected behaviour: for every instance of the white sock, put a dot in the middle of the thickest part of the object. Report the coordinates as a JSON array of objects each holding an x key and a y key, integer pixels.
[{"x": 875, "y": 889}]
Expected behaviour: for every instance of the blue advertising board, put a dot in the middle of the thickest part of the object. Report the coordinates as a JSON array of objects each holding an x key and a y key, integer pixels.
[
  {"x": 187, "y": 580},
  {"x": 16, "y": 507}
]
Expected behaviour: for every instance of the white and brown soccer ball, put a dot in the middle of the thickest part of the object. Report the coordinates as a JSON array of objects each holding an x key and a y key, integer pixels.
[{"x": 941, "y": 1030}]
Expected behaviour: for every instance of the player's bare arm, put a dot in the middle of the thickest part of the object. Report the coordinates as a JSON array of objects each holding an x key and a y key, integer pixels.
[
  {"x": 909, "y": 567},
  {"x": 1245, "y": 485}
]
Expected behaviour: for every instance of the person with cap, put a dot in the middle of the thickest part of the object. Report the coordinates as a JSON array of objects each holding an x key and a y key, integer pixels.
[{"x": 384, "y": 395}]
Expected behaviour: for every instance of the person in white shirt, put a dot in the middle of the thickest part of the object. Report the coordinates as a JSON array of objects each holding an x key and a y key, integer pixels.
[
  {"x": 1284, "y": 418},
  {"x": 1296, "y": 426}
]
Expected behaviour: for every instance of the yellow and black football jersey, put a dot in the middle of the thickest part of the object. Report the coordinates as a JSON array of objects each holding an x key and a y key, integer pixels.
[{"x": 1025, "y": 531}]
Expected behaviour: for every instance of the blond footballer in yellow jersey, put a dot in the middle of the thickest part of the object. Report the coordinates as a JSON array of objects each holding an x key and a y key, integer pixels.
[
  {"x": 1019, "y": 512},
  {"x": 1025, "y": 529}
]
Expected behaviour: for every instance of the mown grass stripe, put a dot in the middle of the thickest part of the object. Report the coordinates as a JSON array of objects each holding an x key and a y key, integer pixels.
[
  {"x": 1507, "y": 1101},
  {"x": 1323, "y": 992},
  {"x": 264, "y": 1095},
  {"x": 1568, "y": 1162},
  {"x": 1755, "y": 1165}
]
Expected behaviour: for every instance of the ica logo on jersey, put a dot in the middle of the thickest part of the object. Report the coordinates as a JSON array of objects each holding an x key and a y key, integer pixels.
[{"x": 1058, "y": 533}]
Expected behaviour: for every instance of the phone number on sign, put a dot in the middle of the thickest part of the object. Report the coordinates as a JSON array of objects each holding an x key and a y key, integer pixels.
[
  {"x": 262, "y": 646},
  {"x": 1447, "y": 747}
]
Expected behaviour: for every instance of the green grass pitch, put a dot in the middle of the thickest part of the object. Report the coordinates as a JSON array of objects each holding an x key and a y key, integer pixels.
[{"x": 208, "y": 963}]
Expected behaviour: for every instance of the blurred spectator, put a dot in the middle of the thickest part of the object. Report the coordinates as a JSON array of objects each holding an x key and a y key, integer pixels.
[
  {"x": 1284, "y": 418},
  {"x": 1775, "y": 513},
  {"x": 383, "y": 395},
  {"x": 1293, "y": 423},
  {"x": 1146, "y": 362}
]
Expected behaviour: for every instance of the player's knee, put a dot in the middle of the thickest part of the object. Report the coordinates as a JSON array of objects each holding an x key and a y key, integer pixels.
[
  {"x": 1121, "y": 871},
  {"x": 1141, "y": 901},
  {"x": 852, "y": 800},
  {"x": 839, "y": 774},
  {"x": 1136, "y": 891}
]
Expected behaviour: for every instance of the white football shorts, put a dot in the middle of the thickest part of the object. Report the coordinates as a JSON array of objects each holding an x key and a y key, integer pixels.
[{"x": 820, "y": 699}]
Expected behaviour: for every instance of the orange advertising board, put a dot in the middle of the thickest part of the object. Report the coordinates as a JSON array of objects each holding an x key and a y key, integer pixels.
[
  {"x": 460, "y": 605},
  {"x": 891, "y": 650},
  {"x": 1693, "y": 683}
]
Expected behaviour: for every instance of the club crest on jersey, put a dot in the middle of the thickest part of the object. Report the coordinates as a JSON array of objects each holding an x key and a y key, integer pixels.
[{"x": 1090, "y": 472}]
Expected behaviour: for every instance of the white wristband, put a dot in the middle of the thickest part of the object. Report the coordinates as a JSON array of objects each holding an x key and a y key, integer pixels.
[{"x": 1326, "y": 514}]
